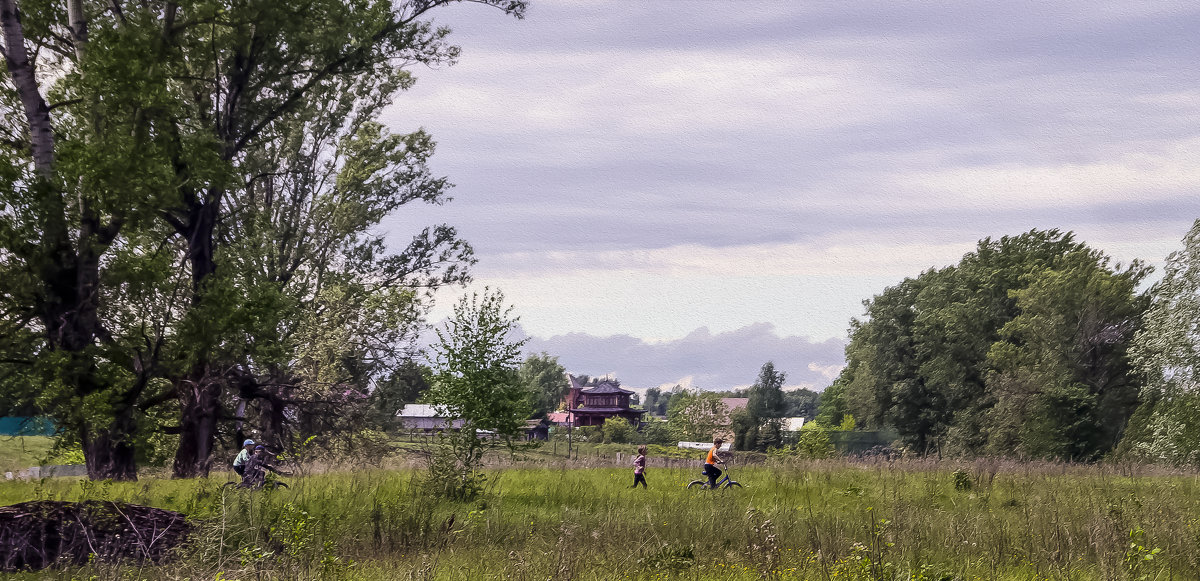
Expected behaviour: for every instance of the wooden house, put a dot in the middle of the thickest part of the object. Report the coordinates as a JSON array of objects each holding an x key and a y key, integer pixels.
[{"x": 591, "y": 406}]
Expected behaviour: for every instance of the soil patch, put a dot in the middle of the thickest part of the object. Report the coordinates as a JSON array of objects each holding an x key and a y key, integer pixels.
[{"x": 39, "y": 534}]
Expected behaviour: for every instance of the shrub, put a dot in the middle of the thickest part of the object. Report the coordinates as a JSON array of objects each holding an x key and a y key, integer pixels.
[
  {"x": 616, "y": 431},
  {"x": 814, "y": 442}
]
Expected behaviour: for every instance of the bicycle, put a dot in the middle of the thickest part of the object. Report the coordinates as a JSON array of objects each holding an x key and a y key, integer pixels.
[
  {"x": 264, "y": 481},
  {"x": 271, "y": 484},
  {"x": 724, "y": 482}
]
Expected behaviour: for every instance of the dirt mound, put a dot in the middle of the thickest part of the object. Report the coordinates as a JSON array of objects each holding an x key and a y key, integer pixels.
[{"x": 35, "y": 535}]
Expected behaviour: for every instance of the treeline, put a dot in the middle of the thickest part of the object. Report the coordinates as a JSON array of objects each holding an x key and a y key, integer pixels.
[
  {"x": 795, "y": 403},
  {"x": 190, "y": 201},
  {"x": 1031, "y": 346}
]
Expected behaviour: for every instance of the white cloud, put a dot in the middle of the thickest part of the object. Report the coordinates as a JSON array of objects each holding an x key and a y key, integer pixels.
[
  {"x": 1142, "y": 175},
  {"x": 649, "y": 169}
]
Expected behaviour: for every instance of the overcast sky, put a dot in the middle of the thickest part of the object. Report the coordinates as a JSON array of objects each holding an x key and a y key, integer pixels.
[{"x": 678, "y": 191}]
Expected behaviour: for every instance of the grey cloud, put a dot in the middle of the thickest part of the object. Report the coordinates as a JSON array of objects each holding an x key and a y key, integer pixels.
[
  {"x": 932, "y": 87},
  {"x": 714, "y": 361}
]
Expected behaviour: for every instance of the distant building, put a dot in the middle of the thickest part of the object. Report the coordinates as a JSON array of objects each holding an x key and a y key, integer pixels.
[
  {"x": 735, "y": 403},
  {"x": 591, "y": 406},
  {"x": 792, "y": 424},
  {"x": 425, "y": 418},
  {"x": 537, "y": 429}
]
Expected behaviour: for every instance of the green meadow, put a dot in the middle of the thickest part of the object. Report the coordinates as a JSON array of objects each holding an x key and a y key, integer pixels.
[
  {"x": 546, "y": 519},
  {"x": 20, "y": 452}
]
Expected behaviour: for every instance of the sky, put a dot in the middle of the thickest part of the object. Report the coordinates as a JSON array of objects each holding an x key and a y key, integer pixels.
[{"x": 676, "y": 192}]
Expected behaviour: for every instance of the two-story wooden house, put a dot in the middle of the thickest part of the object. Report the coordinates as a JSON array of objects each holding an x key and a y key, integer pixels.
[{"x": 590, "y": 406}]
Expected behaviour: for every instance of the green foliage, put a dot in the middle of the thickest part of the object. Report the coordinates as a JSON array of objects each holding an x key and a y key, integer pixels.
[
  {"x": 962, "y": 480},
  {"x": 476, "y": 361},
  {"x": 476, "y": 380},
  {"x": 759, "y": 428},
  {"x": 745, "y": 430},
  {"x": 1166, "y": 354},
  {"x": 1018, "y": 349},
  {"x": 848, "y": 424},
  {"x": 453, "y": 467},
  {"x": 697, "y": 415},
  {"x": 832, "y": 405},
  {"x": 657, "y": 432},
  {"x": 813, "y": 442},
  {"x": 801, "y": 403},
  {"x": 1139, "y": 559},
  {"x": 658, "y": 402},
  {"x": 547, "y": 382},
  {"x": 766, "y": 399},
  {"x": 405, "y": 384},
  {"x": 1063, "y": 384},
  {"x": 617, "y": 431}
]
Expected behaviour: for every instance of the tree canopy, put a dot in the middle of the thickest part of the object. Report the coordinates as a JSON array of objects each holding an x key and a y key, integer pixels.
[
  {"x": 1166, "y": 355},
  {"x": 1018, "y": 349},
  {"x": 187, "y": 192}
]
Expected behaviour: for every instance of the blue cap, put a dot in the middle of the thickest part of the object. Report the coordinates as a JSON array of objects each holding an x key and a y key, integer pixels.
[
  {"x": 248, "y": 443},
  {"x": 259, "y": 447}
]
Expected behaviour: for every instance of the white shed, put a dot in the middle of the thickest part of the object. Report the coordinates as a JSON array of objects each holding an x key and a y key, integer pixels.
[{"x": 415, "y": 416}]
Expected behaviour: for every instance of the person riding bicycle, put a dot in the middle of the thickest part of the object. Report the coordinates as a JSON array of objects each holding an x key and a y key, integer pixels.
[
  {"x": 239, "y": 463},
  {"x": 256, "y": 468},
  {"x": 711, "y": 461}
]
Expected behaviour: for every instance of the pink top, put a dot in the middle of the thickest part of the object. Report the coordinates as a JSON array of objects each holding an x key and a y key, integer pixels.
[{"x": 639, "y": 464}]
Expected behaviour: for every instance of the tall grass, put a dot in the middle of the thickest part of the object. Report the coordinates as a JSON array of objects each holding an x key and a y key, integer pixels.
[{"x": 795, "y": 520}]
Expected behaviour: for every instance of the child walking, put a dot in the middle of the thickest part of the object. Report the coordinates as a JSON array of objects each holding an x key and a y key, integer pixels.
[{"x": 639, "y": 468}]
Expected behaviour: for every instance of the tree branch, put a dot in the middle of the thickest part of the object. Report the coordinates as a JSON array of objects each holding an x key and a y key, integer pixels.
[{"x": 37, "y": 113}]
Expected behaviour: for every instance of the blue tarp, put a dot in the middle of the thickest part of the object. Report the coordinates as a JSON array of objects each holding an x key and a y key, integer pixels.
[{"x": 17, "y": 426}]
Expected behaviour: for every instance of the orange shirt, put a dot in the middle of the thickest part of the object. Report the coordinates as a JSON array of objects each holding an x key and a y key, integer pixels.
[{"x": 711, "y": 452}]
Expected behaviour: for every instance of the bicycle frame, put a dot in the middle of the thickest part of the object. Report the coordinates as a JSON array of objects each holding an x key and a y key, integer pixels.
[{"x": 724, "y": 482}]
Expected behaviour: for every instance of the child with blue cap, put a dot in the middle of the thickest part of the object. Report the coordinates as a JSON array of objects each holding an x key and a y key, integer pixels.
[{"x": 239, "y": 463}]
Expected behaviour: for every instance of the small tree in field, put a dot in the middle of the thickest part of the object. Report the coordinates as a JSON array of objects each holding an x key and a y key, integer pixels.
[{"x": 476, "y": 380}]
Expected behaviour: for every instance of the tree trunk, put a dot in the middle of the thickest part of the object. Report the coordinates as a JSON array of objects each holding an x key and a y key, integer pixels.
[
  {"x": 110, "y": 455},
  {"x": 199, "y": 392},
  {"x": 37, "y": 112},
  {"x": 199, "y": 411}
]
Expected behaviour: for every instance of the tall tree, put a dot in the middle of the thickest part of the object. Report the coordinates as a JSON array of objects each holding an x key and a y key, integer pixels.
[
  {"x": 759, "y": 427},
  {"x": 1060, "y": 374},
  {"x": 162, "y": 113},
  {"x": 766, "y": 395},
  {"x": 697, "y": 415},
  {"x": 920, "y": 360},
  {"x": 1166, "y": 354},
  {"x": 547, "y": 381},
  {"x": 84, "y": 176}
]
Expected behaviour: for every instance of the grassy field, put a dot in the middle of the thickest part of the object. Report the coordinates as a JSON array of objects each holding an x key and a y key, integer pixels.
[
  {"x": 918, "y": 520},
  {"x": 20, "y": 452}
]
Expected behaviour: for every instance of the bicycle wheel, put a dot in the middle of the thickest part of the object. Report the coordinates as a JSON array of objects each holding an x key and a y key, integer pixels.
[
  {"x": 697, "y": 484},
  {"x": 733, "y": 484}
]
